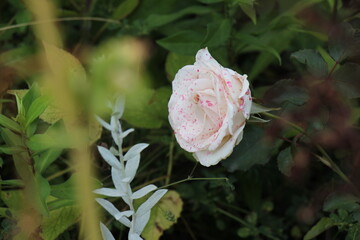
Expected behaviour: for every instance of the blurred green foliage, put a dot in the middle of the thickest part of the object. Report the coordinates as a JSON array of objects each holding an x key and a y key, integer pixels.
[{"x": 302, "y": 57}]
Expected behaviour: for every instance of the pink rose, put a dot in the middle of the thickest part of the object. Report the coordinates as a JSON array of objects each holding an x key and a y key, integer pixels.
[{"x": 208, "y": 108}]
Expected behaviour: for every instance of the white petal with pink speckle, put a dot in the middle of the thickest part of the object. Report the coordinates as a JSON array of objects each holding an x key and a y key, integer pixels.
[{"x": 208, "y": 108}]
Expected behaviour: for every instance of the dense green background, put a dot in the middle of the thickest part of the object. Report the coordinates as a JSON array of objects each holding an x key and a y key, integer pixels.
[{"x": 300, "y": 56}]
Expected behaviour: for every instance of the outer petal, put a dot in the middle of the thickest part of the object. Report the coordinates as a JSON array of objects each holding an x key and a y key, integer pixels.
[
  {"x": 208, "y": 158},
  {"x": 205, "y": 60}
]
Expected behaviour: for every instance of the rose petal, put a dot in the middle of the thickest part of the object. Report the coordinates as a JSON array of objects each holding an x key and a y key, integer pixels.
[
  {"x": 208, "y": 158},
  {"x": 205, "y": 60}
]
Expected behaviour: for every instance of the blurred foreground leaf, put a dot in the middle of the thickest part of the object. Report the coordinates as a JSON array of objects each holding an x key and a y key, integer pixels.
[
  {"x": 321, "y": 226},
  {"x": 58, "y": 221}
]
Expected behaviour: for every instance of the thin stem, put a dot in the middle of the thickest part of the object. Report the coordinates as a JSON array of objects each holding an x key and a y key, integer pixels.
[
  {"x": 234, "y": 218},
  {"x": 67, "y": 19},
  {"x": 328, "y": 159},
  {"x": 58, "y": 174},
  {"x": 171, "y": 159},
  {"x": 295, "y": 126},
  {"x": 193, "y": 179},
  {"x": 191, "y": 233}
]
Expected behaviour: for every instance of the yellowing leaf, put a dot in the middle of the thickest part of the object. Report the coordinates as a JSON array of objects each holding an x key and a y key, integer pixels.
[
  {"x": 163, "y": 215},
  {"x": 58, "y": 221}
]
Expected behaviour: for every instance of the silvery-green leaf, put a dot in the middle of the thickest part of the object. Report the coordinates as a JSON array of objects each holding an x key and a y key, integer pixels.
[
  {"x": 257, "y": 108},
  {"x": 109, "y": 157},
  {"x": 131, "y": 168},
  {"x": 110, "y": 192},
  {"x": 135, "y": 150},
  {"x": 105, "y": 232},
  {"x": 143, "y": 191},
  {"x": 114, "y": 151},
  {"x": 110, "y": 208},
  {"x": 103, "y": 123},
  {"x": 119, "y": 107},
  {"x": 150, "y": 202},
  {"x": 124, "y": 134},
  {"x": 141, "y": 221},
  {"x": 134, "y": 236},
  {"x": 117, "y": 176}
]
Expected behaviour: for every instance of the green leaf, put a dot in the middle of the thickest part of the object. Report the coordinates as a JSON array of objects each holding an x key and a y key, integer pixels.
[
  {"x": 286, "y": 91},
  {"x": 157, "y": 20},
  {"x": 252, "y": 150},
  {"x": 217, "y": 33},
  {"x": 321, "y": 226},
  {"x": 343, "y": 42},
  {"x": 10, "y": 124},
  {"x": 184, "y": 42},
  {"x": 10, "y": 138},
  {"x": 257, "y": 108},
  {"x": 12, "y": 182},
  {"x": 285, "y": 161},
  {"x": 45, "y": 159},
  {"x": 176, "y": 61},
  {"x": 249, "y": 10},
  {"x": 11, "y": 150},
  {"x": 210, "y": 1},
  {"x": 43, "y": 188},
  {"x": 346, "y": 202},
  {"x": 313, "y": 61},
  {"x": 30, "y": 96},
  {"x": 149, "y": 105},
  {"x": 125, "y": 8},
  {"x": 13, "y": 199},
  {"x": 347, "y": 80},
  {"x": 353, "y": 233},
  {"x": 58, "y": 221},
  {"x": 36, "y": 109},
  {"x": 163, "y": 215}
]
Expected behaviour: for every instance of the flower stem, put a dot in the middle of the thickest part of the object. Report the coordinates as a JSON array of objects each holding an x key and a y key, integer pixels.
[
  {"x": 193, "y": 179},
  {"x": 326, "y": 160},
  {"x": 171, "y": 159}
]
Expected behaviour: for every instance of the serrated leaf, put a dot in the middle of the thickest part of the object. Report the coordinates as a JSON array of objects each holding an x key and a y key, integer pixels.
[
  {"x": 58, "y": 221},
  {"x": 217, "y": 33},
  {"x": 321, "y": 226},
  {"x": 105, "y": 232},
  {"x": 285, "y": 161},
  {"x": 163, "y": 215},
  {"x": 313, "y": 61}
]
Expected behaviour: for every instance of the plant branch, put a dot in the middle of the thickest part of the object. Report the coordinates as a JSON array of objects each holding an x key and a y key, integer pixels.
[{"x": 193, "y": 179}]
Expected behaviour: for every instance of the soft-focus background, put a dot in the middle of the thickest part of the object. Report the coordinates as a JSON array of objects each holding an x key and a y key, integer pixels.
[{"x": 295, "y": 175}]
